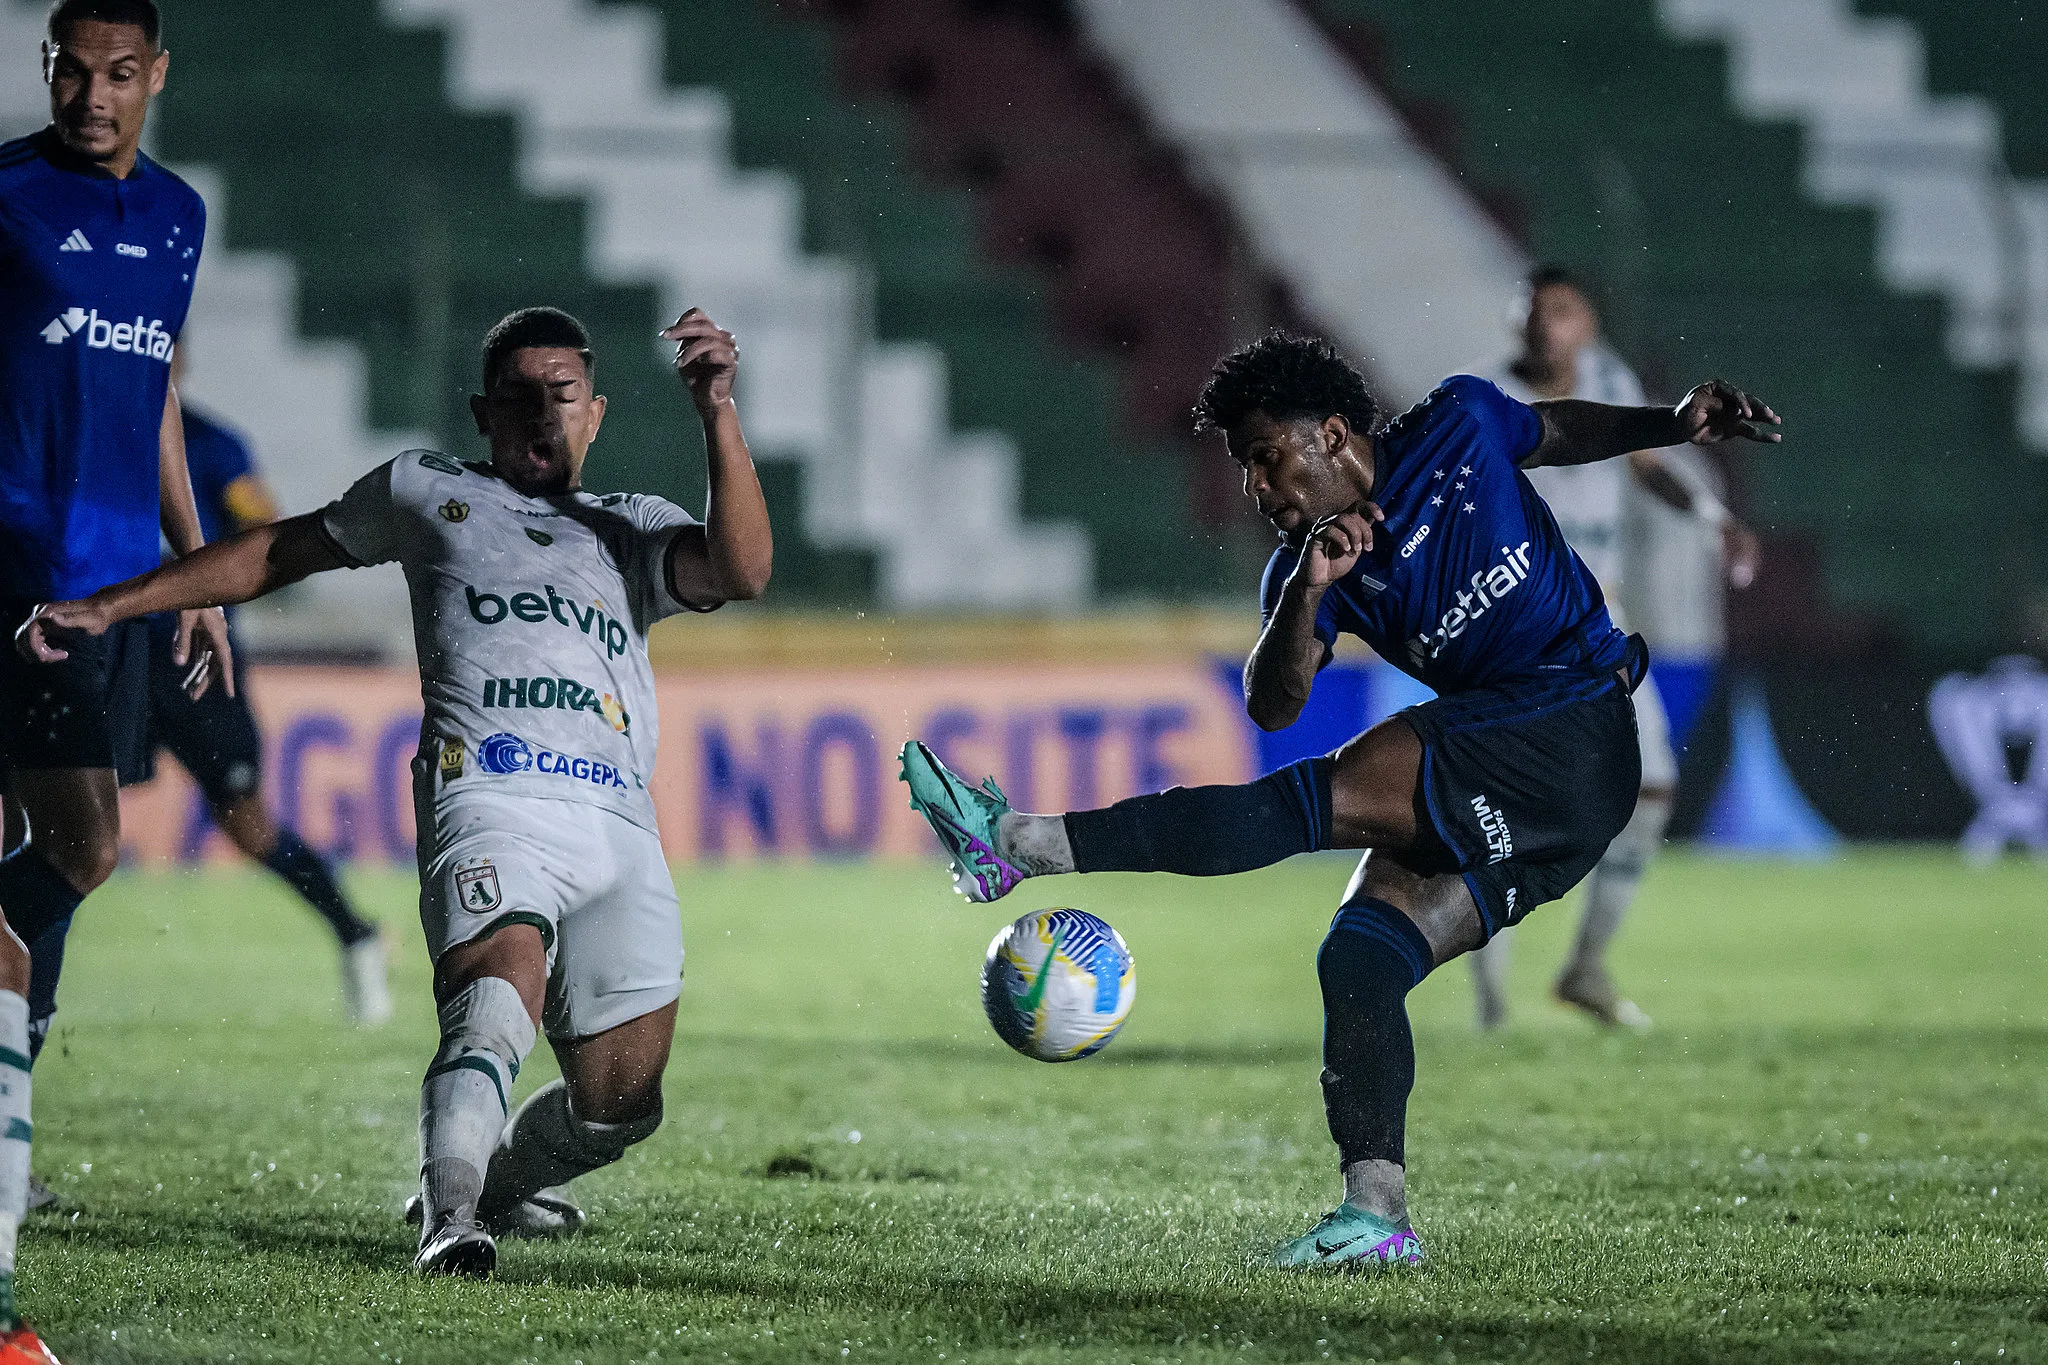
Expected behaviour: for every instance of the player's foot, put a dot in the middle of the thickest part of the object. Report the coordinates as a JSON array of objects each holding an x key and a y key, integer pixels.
[
  {"x": 21, "y": 1346},
  {"x": 41, "y": 1198},
  {"x": 365, "y": 990},
  {"x": 965, "y": 819},
  {"x": 457, "y": 1246},
  {"x": 544, "y": 1213},
  {"x": 1594, "y": 993},
  {"x": 1349, "y": 1236}
]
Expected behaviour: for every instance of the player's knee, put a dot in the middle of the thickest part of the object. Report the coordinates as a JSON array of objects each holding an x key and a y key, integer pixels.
[
  {"x": 86, "y": 863},
  {"x": 486, "y": 1016},
  {"x": 604, "y": 1136}
]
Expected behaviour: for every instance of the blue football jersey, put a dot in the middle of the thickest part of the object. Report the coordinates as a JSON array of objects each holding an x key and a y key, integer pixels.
[
  {"x": 216, "y": 457},
  {"x": 95, "y": 281},
  {"x": 1469, "y": 582}
]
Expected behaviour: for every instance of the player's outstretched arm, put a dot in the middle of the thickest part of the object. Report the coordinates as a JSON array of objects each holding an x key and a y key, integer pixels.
[
  {"x": 178, "y": 517},
  {"x": 237, "y": 569},
  {"x": 729, "y": 557},
  {"x": 1282, "y": 669},
  {"x": 1579, "y": 432}
]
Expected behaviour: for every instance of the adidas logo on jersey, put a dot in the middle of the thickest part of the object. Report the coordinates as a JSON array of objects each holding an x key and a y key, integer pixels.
[
  {"x": 148, "y": 340},
  {"x": 76, "y": 242}
]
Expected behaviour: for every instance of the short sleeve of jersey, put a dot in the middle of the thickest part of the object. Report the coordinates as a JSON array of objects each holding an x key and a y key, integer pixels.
[
  {"x": 1508, "y": 428},
  {"x": 1278, "y": 570},
  {"x": 365, "y": 523},
  {"x": 644, "y": 558}
]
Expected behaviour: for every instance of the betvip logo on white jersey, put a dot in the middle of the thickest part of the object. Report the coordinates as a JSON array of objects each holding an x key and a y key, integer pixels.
[
  {"x": 76, "y": 242},
  {"x": 147, "y": 339}
]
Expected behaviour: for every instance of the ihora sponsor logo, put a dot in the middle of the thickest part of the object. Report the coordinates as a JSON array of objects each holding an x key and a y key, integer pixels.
[
  {"x": 146, "y": 339},
  {"x": 556, "y": 694},
  {"x": 1488, "y": 587},
  {"x": 1499, "y": 839},
  {"x": 505, "y": 754},
  {"x": 488, "y": 609}
]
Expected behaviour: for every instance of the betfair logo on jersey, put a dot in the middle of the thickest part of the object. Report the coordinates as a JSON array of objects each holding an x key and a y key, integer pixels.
[
  {"x": 505, "y": 754},
  {"x": 146, "y": 339},
  {"x": 488, "y": 609},
  {"x": 555, "y": 694},
  {"x": 1488, "y": 587}
]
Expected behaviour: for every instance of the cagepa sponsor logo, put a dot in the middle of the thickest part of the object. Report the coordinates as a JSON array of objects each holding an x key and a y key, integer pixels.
[
  {"x": 1500, "y": 841},
  {"x": 505, "y": 754},
  {"x": 556, "y": 694},
  {"x": 1489, "y": 586},
  {"x": 488, "y": 609},
  {"x": 146, "y": 339}
]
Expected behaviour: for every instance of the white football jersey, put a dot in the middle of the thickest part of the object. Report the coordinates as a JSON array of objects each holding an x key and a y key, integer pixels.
[
  {"x": 1588, "y": 500},
  {"x": 531, "y": 616}
]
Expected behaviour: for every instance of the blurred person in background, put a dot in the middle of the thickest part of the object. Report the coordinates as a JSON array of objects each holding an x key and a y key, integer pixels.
[{"x": 1562, "y": 355}]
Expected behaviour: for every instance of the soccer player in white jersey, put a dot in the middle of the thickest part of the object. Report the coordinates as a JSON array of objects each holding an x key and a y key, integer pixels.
[
  {"x": 546, "y": 900},
  {"x": 1562, "y": 356}
]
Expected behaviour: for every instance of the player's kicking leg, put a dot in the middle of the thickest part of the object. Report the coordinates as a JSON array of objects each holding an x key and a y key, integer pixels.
[{"x": 1509, "y": 811}]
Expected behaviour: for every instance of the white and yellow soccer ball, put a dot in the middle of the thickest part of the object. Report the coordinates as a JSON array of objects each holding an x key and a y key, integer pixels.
[{"x": 1058, "y": 984}]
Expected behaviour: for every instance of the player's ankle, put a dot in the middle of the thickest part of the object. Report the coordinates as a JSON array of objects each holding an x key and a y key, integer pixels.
[
  {"x": 1379, "y": 1188},
  {"x": 1036, "y": 845},
  {"x": 9, "y": 1318}
]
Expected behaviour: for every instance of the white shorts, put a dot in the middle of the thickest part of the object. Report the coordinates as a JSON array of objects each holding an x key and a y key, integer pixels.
[{"x": 594, "y": 883}]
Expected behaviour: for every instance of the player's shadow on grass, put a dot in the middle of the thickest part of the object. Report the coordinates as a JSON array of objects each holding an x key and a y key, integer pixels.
[
  {"x": 1203, "y": 1054},
  {"x": 351, "y": 1238},
  {"x": 1279, "y": 1314}
]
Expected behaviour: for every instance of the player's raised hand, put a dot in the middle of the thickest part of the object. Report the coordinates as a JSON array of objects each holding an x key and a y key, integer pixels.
[
  {"x": 1336, "y": 542},
  {"x": 215, "y": 655},
  {"x": 39, "y": 638},
  {"x": 1715, "y": 411},
  {"x": 707, "y": 358}
]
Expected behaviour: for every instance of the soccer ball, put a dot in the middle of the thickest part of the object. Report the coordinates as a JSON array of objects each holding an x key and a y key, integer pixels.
[{"x": 1058, "y": 984}]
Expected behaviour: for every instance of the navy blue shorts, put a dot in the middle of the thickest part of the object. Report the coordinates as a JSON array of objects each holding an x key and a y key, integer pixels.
[
  {"x": 214, "y": 738},
  {"x": 1526, "y": 784},
  {"x": 91, "y": 711}
]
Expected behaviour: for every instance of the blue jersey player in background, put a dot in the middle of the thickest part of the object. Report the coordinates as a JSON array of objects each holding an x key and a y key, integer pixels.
[
  {"x": 98, "y": 249},
  {"x": 214, "y": 736},
  {"x": 1424, "y": 538}
]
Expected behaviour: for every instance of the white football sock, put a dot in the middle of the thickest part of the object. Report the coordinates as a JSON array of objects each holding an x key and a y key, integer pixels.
[
  {"x": 1490, "y": 977},
  {"x": 546, "y": 1144},
  {"x": 15, "y": 1131},
  {"x": 1036, "y": 844},
  {"x": 1612, "y": 887},
  {"x": 485, "y": 1035}
]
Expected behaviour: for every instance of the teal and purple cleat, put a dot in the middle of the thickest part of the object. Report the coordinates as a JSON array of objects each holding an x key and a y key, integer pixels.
[
  {"x": 964, "y": 818},
  {"x": 1350, "y": 1237}
]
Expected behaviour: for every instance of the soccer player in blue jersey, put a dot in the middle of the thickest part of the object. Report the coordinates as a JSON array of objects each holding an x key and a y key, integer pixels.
[
  {"x": 98, "y": 247},
  {"x": 214, "y": 736},
  {"x": 1423, "y": 537}
]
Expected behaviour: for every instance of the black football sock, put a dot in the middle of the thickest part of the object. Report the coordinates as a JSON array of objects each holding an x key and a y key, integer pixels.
[
  {"x": 1374, "y": 955},
  {"x": 46, "y": 964},
  {"x": 38, "y": 901},
  {"x": 309, "y": 875},
  {"x": 1209, "y": 831}
]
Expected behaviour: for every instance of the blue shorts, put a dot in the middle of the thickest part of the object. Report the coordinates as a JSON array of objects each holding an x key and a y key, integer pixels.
[
  {"x": 90, "y": 711},
  {"x": 1526, "y": 783},
  {"x": 214, "y": 738}
]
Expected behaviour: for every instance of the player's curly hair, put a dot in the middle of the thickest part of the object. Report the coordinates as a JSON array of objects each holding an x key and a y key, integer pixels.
[
  {"x": 143, "y": 14},
  {"x": 1288, "y": 378},
  {"x": 517, "y": 331}
]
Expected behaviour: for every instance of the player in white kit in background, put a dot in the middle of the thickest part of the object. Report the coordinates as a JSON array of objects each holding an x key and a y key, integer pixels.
[
  {"x": 546, "y": 899},
  {"x": 1563, "y": 356}
]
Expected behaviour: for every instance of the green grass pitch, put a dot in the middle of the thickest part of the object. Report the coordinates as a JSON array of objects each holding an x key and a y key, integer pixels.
[{"x": 1833, "y": 1146}]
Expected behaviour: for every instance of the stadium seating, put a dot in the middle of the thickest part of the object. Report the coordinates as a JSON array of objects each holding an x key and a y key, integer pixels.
[{"x": 1622, "y": 142}]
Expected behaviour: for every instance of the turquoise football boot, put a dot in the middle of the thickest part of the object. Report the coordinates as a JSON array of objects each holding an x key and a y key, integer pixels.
[
  {"x": 1350, "y": 1237},
  {"x": 964, "y": 818}
]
